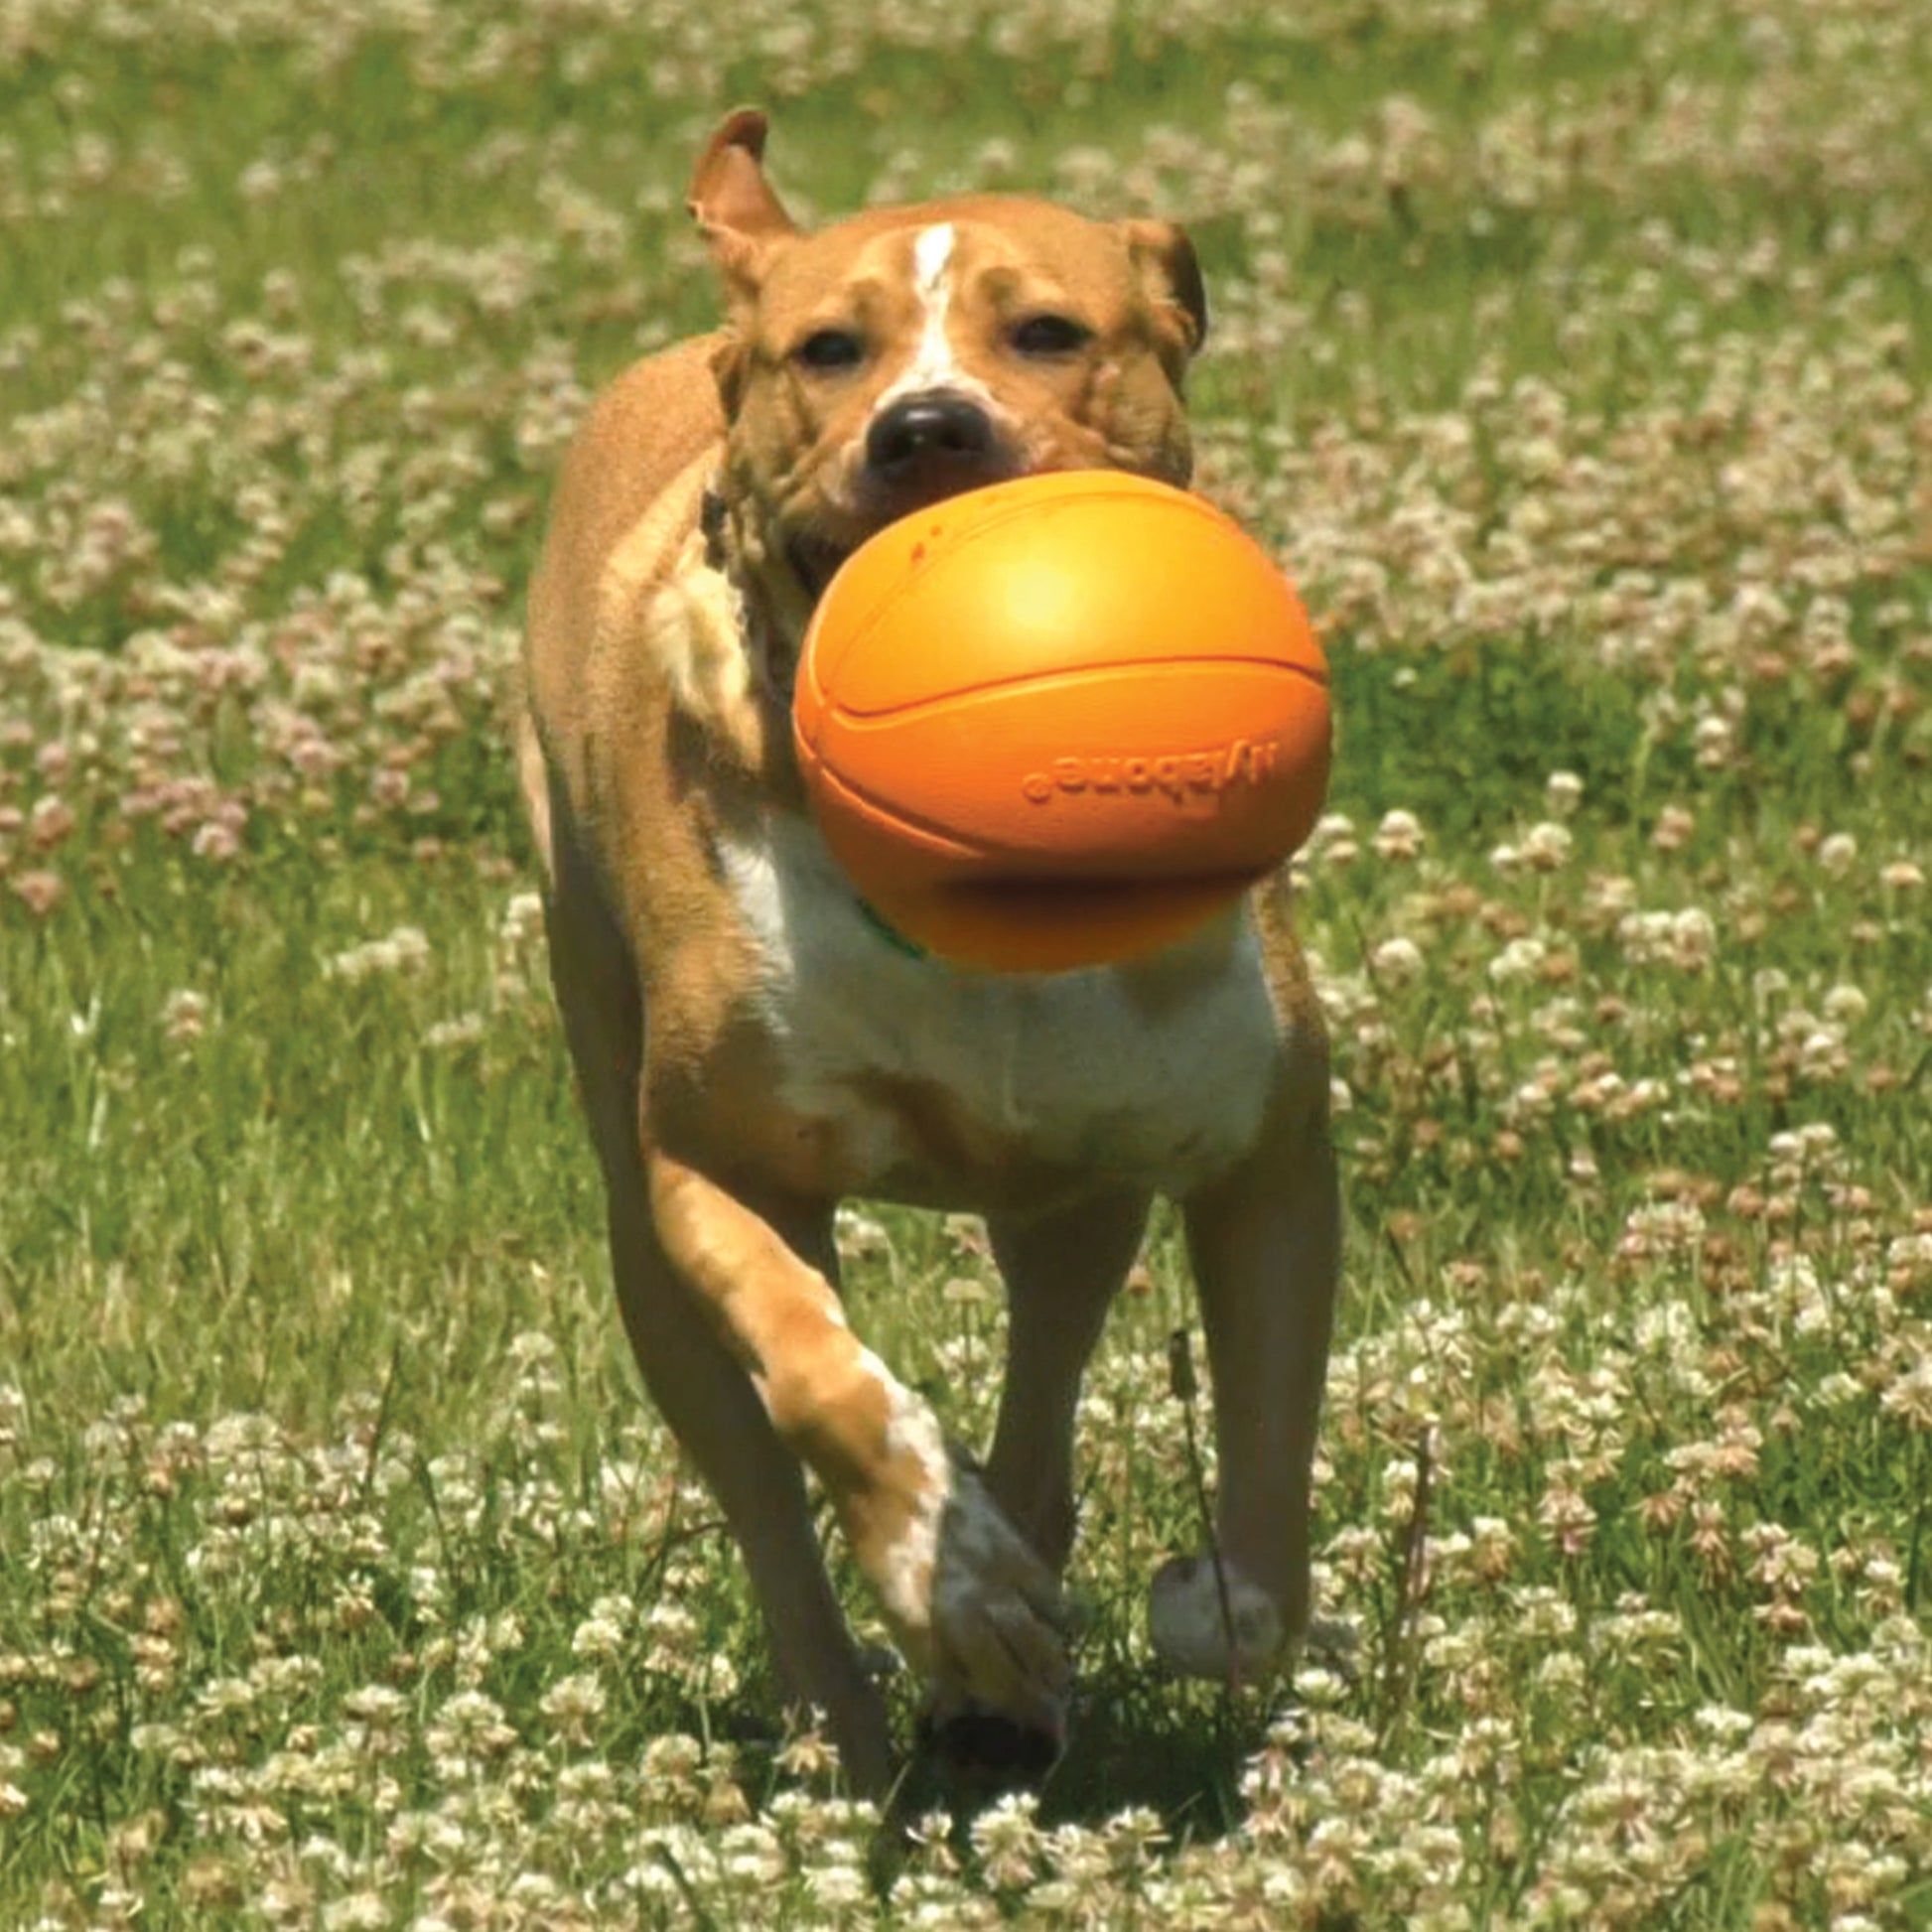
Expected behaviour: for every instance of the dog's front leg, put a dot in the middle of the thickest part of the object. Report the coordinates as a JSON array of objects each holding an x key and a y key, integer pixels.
[
  {"x": 1265, "y": 1246},
  {"x": 1061, "y": 1270},
  {"x": 974, "y": 1609}
]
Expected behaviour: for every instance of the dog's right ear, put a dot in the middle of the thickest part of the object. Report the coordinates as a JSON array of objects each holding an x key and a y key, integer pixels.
[
  {"x": 732, "y": 204},
  {"x": 1169, "y": 272}
]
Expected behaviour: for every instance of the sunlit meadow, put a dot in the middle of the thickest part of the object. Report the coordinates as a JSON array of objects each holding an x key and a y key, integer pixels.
[{"x": 1575, "y": 354}]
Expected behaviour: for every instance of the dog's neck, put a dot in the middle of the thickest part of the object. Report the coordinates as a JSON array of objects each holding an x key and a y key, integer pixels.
[
  {"x": 770, "y": 648},
  {"x": 773, "y": 663},
  {"x": 750, "y": 707}
]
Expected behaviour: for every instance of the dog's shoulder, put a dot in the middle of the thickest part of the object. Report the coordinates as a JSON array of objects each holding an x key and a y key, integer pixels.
[
  {"x": 628, "y": 498},
  {"x": 641, "y": 432},
  {"x": 632, "y": 615}
]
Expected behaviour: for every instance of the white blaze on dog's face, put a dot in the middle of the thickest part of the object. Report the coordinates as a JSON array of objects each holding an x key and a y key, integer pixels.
[
  {"x": 904, "y": 354},
  {"x": 933, "y": 364}
]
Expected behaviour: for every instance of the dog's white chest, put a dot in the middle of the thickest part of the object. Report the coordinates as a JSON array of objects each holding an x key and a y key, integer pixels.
[{"x": 1070, "y": 1069}]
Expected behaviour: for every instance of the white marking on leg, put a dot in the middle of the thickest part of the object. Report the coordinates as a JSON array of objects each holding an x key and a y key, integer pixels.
[
  {"x": 980, "y": 1619},
  {"x": 911, "y": 1429},
  {"x": 1196, "y": 1632}
]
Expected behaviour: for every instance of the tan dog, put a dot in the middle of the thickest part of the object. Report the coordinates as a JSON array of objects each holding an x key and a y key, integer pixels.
[{"x": 751, "y": 1050}]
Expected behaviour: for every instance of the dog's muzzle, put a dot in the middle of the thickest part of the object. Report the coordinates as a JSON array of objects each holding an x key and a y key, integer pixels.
[
  {"x": 928, "y": 445},
  {"x": 918, "y": 450},
  {"x": 929, "y": 429}
]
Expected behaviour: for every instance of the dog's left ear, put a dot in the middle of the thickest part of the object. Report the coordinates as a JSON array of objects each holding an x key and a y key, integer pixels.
[
  {"x": 733, "y": 202},
  {"x": 1164, "y": 258}
]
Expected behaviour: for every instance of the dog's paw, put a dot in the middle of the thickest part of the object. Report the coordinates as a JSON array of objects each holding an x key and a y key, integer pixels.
[
  {"x": 971, "y": 1606},
  {"x": 1206, "y": 1620},
  {"x": 999, "y": 1624},
  {"x": 979, "y": 1754}
]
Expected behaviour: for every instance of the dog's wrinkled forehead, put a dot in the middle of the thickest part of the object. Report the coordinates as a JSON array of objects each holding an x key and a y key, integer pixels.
[
  {"x": 1113, "y": 280},
  {"x": 888, "y": 269}
]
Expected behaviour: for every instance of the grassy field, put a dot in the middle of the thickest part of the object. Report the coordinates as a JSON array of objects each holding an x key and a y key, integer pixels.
[{"x": 1575, "y": 354}]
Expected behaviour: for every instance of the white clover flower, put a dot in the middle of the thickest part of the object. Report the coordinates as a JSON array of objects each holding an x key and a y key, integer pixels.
[
  {"x": 1846, "y": 1003},
  {"x": 1837, "y": 854},
  {"x": 1007, "y": 1837},
  {"x": 598, "y": 1639},
  {"x": 49, "y": 822},
  {"x": 1332, "y": 842},
  {"x": 1562, "y": 1671},
  {"x": 858, "y": 1234},
  {"x": 405, "y": 950},
  {"x": 1822, "y": 1053},
  {"x": 1665, "y": 1326},
  {"x": 184, "y": 1015},
  {"x": 1686, "y": 939},
  {"x": 1909, "y": 1394},
  {"x": 532, "y": 1352},
  {"x": 1714, "y": 740},
  {"x": 672, "y": 1639},
  {"x": 1398, "y": 961},
  {"x": 1520, "y": 960},
  {"x": 1672, "y": 832},
  {"x": 469, "y": 1722},
  {"x": 465, "y": 1030},
  {"x": 751, "y": 1853},
  {"x": 1546, "y": 846},
  {"x": 1399, "y": 836},
  {"x": 1910, "y": 1253},
  {"x": 573, "y": 1704},
  {"x": 363, "y": 1911},
  {"x": 381, "y": 1706},
  {"x": 1318, "y": 1685},
  {"x": 1563, "y": 792},
  {"x": 226, "y": 1697},
  {"x": 522, "y": 918},
  {"x": 839, "y": 1887},
  {"x": 1693, "y": 939}
]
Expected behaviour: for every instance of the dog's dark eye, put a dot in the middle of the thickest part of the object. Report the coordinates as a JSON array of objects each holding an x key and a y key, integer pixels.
[
  {"x": 830, "y": 349},
  {"x": 1050, "y": 335}
]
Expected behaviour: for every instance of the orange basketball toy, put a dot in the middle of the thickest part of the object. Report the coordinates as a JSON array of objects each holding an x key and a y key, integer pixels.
[{"x": 1062, "y": 720}]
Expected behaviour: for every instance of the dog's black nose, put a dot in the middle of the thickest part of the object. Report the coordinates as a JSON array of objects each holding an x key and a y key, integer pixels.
[{"x": 936, "y": 427}]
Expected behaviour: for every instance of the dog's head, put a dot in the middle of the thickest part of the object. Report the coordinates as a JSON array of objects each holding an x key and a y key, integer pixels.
[{"x": 907, "y": 354}]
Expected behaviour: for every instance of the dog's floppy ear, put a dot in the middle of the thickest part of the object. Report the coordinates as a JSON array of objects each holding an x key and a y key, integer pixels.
[
  {"x": 732, "y": 204},
  {"x": 1164, "y": 260}
]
